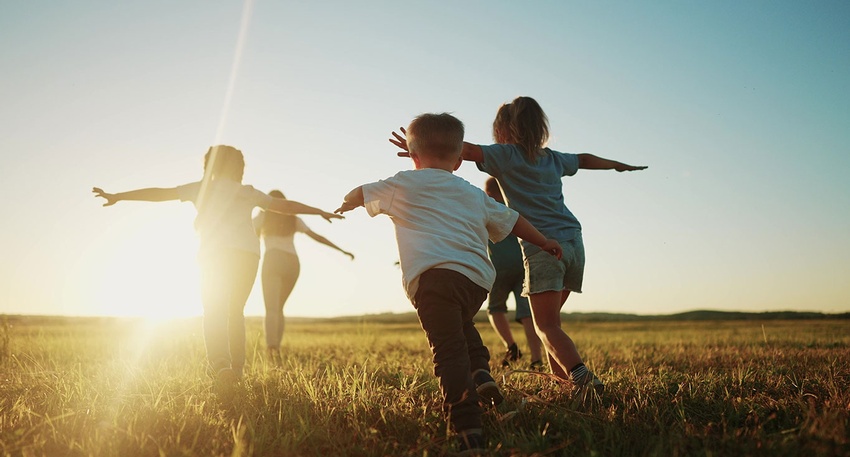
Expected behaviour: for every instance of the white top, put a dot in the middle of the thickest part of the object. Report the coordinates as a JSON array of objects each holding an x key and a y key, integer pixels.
[
  {"x": 277, "y": 242},
  {"x": 441, "y": 221},
  {"x": 224, "y": 214}
]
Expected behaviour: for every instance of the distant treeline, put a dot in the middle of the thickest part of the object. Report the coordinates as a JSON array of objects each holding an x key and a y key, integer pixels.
[{"x": 699, "y": 315}]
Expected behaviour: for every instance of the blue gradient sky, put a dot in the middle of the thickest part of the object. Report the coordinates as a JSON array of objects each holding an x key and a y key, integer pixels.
[{"x": 740, "y": 109}]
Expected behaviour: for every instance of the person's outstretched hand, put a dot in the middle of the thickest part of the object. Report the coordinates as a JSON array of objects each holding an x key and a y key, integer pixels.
[
  {"x": 623, "y": 167},
  {"x": 331, "y": 216},
  {"x": 552, "y": 247},
  {"x": 345, "y": 207},
  {"x": 110, "y": 198},
  {"x": 401, "y": 141}
]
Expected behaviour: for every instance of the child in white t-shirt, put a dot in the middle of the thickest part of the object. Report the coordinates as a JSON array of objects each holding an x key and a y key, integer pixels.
[{"x": 442, "y": 224}]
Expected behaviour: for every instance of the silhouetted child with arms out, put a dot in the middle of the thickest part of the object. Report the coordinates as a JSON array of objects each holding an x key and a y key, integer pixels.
[
  {"x": 506, "y": 256},
  {"x": 442, "y": 224},
  {"x": 530, "y": 177},
  {"x": 229, "y": 251}
]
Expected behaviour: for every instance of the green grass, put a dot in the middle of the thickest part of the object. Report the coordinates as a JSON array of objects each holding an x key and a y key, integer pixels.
[{"x": 81, "y": 387}]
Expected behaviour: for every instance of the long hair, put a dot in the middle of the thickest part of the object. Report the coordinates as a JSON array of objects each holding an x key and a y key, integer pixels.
[
  {"x": 220, "y": 162},
  {"x": 522, "y": 122},
  {"x": 276, "y": 224},
  {"x": 224, "y": 161}
]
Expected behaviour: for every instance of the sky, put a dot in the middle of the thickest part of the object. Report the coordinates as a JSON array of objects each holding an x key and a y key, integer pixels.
[{"x": 741, "y": 111}]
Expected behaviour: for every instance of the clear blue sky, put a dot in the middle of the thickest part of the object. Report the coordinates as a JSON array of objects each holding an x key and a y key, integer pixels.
[{"x": 741, "y": 110}]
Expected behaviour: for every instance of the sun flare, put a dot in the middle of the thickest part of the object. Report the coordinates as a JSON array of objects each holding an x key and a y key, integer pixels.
[{"x": 145, "y": 267}]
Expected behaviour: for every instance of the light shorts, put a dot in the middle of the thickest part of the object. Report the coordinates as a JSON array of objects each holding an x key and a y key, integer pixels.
[
  {"x": 507, "y": 282},
  {"x": 544, "y": 273}
]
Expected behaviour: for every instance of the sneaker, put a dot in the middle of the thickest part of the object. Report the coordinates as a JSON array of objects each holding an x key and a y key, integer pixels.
[
  {"x": 536, "y": 365},
  {"x": 274, "y": 357},
  {"x": 225, "y": 381},
  {"x": 589, "y": 385},
  {"x": 512, "y": 354},
  {"x": 486, "y": 387},
  {"x": 471, "y": 443}
]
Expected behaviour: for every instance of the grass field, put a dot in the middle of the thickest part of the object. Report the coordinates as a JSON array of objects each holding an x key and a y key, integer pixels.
[{"x": 108, "y": 387}]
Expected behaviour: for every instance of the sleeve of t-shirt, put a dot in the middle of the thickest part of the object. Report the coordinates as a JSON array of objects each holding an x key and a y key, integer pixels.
[
  {"x": 495, "y": 155},
  {"x": 501, "y": 219},
  {"x": 300, "y": 226},
  {"x": 188, "y": 192},
  {"x": 378, "y": 196},
  {"x": 569, "y": 163},
  {"x": 260, "y": 198}
]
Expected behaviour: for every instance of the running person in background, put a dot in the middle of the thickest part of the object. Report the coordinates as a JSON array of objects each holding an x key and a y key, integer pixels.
[
  {"x": 506, "y": 256},
  {"x": 281, "y": 267},
  {"x": 229, "y": 251}
]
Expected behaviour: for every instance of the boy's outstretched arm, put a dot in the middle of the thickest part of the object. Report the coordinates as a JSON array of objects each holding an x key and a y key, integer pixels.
[
  {"x": 523, "y": 229},
  {"x": 280, "y": 205},
  {"x": 471, "y": 152},
  {"x": 152, "y": 194},
  {"x": 353, "y": 199},
  {"x": 592, "y": 162}
]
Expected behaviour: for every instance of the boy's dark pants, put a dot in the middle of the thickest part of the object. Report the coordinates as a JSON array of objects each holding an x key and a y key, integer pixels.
[{"x": 446, "y": 301}]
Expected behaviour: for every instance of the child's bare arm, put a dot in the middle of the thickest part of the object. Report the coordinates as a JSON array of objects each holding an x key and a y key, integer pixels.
[
  {"x": 353, "y": 199},
  {"x": 523, "y": 229},
  {"x": 280, "y": 205},
  {"x": 592, "y": 162},
  {"x": 471, "y": 152},
  {"x": 152, "y": 194}
]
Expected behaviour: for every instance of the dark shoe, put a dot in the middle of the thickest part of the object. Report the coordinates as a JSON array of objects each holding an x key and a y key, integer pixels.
[
  {"x": 512, "y": 354},
  {"x": 274, "y": 357},
  {"x": 536, "y": 365},
  {"x": 471, "y": 444},
  {"x": 226, "y": 381},
  {"x": 588, "y": 387},
  {"x": 487, "y": 389}
]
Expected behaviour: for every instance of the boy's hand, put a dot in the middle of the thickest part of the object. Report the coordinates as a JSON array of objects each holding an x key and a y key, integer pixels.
[
  {"x": 552, "y": 247},
  {"x": 621, "y": 167},
  {"x": 345, "y": 207},
  {"x": 401, "y": 142},
  {"x": 331, "y": 216},
  {"x": 110, "y": 198}
]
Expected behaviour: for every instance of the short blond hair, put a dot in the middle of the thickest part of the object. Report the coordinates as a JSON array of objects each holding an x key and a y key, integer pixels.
[{"x": 435, "y": 135}]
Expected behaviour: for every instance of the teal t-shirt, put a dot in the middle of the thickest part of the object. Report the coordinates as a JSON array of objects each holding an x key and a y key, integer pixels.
[
  {"x": 506, "y": 255},
  {"x": 534, "y": 189}
]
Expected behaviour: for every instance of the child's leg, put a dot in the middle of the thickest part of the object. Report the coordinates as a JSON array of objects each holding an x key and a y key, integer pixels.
[
  {"x": 546, "y": 311},
  {"x": 280, "y": 273},
  {"x": 479, "y": 355},
  {"x": 499, "y": 322},
  {"x": 523, "y": 316},
  {"x": 243, "y": 273},
  {"x": 441, "y": 303},
  {"x": 497, "y": 309},
  {"x": 535, "y": 346},
  {"x": 214, "y": 296}
]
